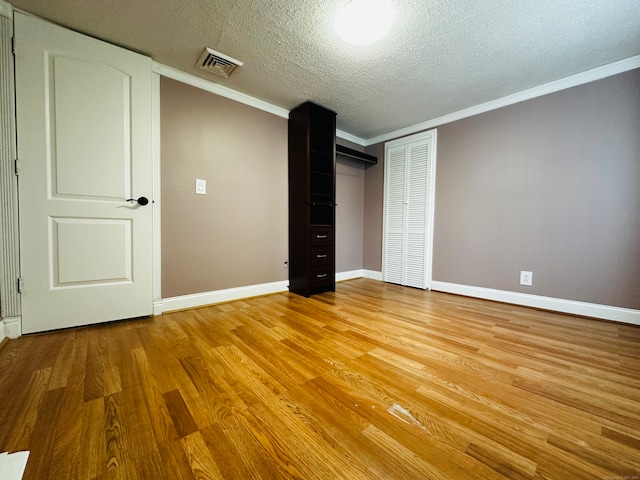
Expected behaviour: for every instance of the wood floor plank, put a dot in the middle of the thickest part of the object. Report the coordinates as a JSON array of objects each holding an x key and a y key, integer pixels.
[
  {"x": 93, "y": 449},
  {"x": 373, "y": 381},
  {"x": 26, "y": 404},
  {"x": 163, "y": 428},
  {"x": 41, "y": 446},
  {"x": 223, "y": 453},
  {"x": 102, "y": 376},
  {"x": 179, "y": 412},
  {"x": 202, "y": 464}
]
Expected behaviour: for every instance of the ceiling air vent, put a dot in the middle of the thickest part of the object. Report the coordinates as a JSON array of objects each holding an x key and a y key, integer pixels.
[{"x": 217, "y": 63}]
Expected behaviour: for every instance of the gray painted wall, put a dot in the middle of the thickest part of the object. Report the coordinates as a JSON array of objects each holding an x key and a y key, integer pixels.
[{"x": 550, "y": 185}]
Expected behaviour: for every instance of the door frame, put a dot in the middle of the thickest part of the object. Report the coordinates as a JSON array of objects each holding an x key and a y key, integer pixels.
[
  {"x": 10, "y": 316},
  {"x": 10, "y": 298},
  {"x": 427, "y": 135}
]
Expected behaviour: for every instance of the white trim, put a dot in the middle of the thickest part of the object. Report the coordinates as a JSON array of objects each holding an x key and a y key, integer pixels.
[
  {"x": 432, "y": 137},
  {"x": 243, "y": 98},
  {"x": 350, "y": 275},
  {"x": 218, "y": 296},
  {"x": 218, "y": 89},
  {"x": 372, "y": 274},
  {"x": 10, "y": 327},
  {"x": 9, "y": 211},
  {"x": 6, "y": 10},
  {"x": 156, "y": 206},
  {"x": 238, "y": 293},
  {"x": 158, "y": 307},
  {"x": 351, "y": 138},
  {"x": 605, "y": 312},
  {"x": 545, "y": 89}
]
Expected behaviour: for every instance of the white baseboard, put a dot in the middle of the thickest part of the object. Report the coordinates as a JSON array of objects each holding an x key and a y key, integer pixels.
[
  {"x": 372, "y": 274},
  {"x": 342, "y": 276},
  {"x": 605, "y": 312},
  {"x": 10, "y": 327},
  {"x": 218, "y": 296}
]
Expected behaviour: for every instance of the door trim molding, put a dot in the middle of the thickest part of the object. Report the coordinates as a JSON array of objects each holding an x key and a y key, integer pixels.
[
  {"x": 10, "y": 328},
  {"x": 9, "y": 241},
  {"x": 6, "y": 9},
  {"x": 156, "y": 205}
]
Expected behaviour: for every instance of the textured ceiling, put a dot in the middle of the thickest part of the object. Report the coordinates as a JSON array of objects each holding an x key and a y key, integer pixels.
[{"x": 439, "y": 57}]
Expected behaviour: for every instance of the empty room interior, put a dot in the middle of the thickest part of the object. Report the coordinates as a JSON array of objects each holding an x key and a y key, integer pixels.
[{"x": 348, "y": 239}]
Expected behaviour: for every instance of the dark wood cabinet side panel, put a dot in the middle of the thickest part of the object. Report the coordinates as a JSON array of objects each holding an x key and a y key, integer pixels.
[
  {"x": 299, "y": 246},
  {"x": 312, "y": 152}
]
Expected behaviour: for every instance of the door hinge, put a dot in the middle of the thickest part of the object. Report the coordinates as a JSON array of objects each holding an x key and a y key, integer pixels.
[
  {"x": 20, "y": 285},
  {"x": 15, "y": 163},
  {"x": 13, "y": 45}
]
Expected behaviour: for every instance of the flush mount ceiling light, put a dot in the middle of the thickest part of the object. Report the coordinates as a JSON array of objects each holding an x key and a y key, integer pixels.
[{"x": 362, "y": 22}]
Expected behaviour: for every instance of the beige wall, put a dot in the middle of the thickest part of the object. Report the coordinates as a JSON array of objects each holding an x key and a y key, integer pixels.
[
  {"x": 550, "y": 185},
  {"x": 236, "y": 235},
  {"x": 349, "y": 211},
  {"x": 373, "y": 206}
]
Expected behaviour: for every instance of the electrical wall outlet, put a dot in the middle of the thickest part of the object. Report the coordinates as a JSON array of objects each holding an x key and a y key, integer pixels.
[
  {"x": 201, "y": 186},
  {"x": 526, "y": 278}
]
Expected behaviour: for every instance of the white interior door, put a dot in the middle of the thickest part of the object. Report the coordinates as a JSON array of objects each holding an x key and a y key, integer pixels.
[
  {"x": 408, "y": 210},
  {"x": 84, "y": 148}
]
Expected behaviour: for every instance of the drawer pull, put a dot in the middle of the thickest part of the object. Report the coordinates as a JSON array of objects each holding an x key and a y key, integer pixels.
[
  {"x": 323, "y": 255},
  {"x": 321, "y": 275},
  {"x": 318, "y": 236}
]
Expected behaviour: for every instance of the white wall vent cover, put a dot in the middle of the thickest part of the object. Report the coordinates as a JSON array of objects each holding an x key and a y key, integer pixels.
[{"x": 217, "y": 63}]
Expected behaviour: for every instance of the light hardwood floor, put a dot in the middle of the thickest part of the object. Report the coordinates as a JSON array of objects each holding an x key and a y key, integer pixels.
[{"x": 375, "y": 381}]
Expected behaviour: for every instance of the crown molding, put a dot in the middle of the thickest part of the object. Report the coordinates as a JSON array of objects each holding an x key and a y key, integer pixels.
[
  {"x": 350, "y": 138},
  {"x": 218, "y": 89},
  {"x": 592, "y": 75}
]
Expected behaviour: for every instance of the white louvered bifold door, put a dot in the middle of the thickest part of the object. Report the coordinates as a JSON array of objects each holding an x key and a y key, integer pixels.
[
  {"x": 417, "y": 211},
  {"x": 408, "y": 211},
  {"x": 395, "y": 215}
]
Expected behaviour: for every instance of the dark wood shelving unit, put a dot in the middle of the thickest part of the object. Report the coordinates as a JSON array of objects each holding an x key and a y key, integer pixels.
[{"x": 312, "y": 186}]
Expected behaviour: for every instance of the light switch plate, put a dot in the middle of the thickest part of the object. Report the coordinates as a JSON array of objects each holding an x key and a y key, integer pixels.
[{"x": 201, "y": 186}]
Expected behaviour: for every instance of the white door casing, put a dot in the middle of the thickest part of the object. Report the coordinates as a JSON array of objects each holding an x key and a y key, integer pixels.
[
  {"x": 409, "y": 199},
  {"x": 84, "y": 128}
]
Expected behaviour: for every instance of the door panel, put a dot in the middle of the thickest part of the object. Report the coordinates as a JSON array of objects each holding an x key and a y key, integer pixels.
[
  {"x": 395, "y": 217},
  {"x": 90, "y": 251},
  {"x": 417, "y": 214},
  {"x": 80, "y": 168},
  {"x": 84, "y": 148}
]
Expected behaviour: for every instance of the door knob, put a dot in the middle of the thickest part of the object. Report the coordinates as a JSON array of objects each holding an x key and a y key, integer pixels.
[{"x": 141, "y": 200}]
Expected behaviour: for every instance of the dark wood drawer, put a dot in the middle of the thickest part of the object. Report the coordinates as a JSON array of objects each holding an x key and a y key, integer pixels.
[
  {"x": 321, "y": 256},
  {"x": 321, "y": 276},
  {"x": 321, "y": 236}
]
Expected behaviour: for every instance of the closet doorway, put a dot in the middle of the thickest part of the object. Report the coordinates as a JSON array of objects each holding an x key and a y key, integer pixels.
[{"x": 409, "y": 194}]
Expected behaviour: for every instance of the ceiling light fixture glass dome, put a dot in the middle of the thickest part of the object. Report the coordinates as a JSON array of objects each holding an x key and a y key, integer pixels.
[{"x": 362, "y": 22}]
